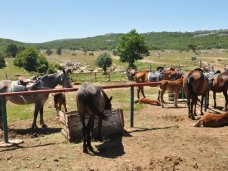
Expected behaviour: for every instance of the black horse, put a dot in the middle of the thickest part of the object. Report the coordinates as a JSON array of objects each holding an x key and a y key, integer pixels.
[{"x": 91, "y": 101}]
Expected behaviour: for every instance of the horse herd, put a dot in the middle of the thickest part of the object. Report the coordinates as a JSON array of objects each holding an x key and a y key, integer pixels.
[{"x": 91, "y": 100}]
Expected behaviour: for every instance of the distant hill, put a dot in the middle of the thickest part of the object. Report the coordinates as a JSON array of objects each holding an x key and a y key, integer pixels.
[{"x": 156, "y": 41}]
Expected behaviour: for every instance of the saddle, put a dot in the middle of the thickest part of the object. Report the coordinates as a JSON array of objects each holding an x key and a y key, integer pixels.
[
  {"x": 24, "y": 84},
  {"x": 154, "y": 76}
]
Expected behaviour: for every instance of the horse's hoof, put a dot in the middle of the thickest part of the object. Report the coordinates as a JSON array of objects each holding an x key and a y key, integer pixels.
[
  {"x": 85, "y": 150},
  {"x": 34, "y": 127},
  {"x": 202, "y": 114},
  {"x": 90, "y": 148},
  {"x": 43, "y": 126}
]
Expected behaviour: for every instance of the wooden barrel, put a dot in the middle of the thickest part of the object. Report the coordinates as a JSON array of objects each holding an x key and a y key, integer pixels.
[{"x": 170, "y": 96}]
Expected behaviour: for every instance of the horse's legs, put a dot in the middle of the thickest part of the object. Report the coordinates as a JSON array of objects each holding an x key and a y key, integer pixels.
[
  {"x": 161, "y": 98},
  {"x": 226, "y": 98},
  {"x": 193, "y": 103},
  {"x": 90, "y": 126},
  {"x": 176, "y": 95},
  {"x": 65, "y": 107},
  {"x": 189, "y": 110},
  {"x": 84, "y": 130},
  {"x": 35, "y": 117},
  {"x": 142, "y": 91},
  {"x": 214, "y": 97},
  {"x": 158, "y": 96},
  {"x": 99, "y": 129},
  {"x": 201, "y": 104},
  {"x": 138, "y": 90},
  {"x": 43, "y": 125}
]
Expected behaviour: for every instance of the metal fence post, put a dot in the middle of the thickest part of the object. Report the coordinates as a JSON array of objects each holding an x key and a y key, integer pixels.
[
  {"x": 4, "y": 118},
  {"x": 132, "y": 106}
]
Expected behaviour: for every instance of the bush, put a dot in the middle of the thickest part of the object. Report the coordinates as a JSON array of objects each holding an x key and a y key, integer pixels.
[{"x": 2, "y": 61}]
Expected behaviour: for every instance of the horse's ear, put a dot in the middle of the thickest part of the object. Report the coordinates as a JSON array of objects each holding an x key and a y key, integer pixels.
[
  {"x": 53, "y": 95},
  {"x": 64, "y": 71},
  {"x": 110, "y": 98}
]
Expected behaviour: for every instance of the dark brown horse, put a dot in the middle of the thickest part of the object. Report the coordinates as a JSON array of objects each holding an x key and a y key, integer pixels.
[
  {"x": 146, "y": 76},
  {"x": 91, "y": 102},
  {"x": 220, "y": 84},
  {"x": 195, "y": 84}
]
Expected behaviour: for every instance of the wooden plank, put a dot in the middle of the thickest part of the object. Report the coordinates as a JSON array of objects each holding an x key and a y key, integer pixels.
[{"x": 72, "y": 126}]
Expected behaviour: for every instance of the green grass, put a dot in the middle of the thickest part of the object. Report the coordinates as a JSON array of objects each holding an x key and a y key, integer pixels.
[
  {"x": 121, "y": 97},
  {"x": 11, "y": 71}
]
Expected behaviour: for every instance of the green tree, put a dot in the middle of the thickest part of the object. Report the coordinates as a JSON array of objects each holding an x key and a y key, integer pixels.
[
  {"x": 48, "y": 51},
  {"x": 104, "y": 61},
  {"x": 59, "y": 51},
  {"x": 2, "y": 61},
  {"x": 132, "y": 47},
  {"x": 31, "y": 60},
  {"x": 12, "y": 50}
]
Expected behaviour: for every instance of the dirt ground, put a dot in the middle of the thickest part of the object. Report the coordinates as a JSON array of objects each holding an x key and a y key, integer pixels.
[{"x": 161, "y": 139}]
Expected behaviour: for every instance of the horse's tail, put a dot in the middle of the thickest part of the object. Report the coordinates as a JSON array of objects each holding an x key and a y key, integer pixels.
[
  {"x": 189, "y": 85},
  {"x": 94, "y": 108}
]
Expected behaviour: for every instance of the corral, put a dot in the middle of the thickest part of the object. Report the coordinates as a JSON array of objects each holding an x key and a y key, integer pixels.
[{"x": 161, "y": 139}]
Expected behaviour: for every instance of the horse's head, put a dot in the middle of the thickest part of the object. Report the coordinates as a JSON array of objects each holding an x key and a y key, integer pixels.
[
  {"x": 108, "y": 105},
  {"x": 131, "y": 73},
  {"x": 65, "y": 79}
]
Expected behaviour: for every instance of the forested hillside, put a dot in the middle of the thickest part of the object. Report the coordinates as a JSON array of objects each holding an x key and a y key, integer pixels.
[{"x": 155, "y": 40}]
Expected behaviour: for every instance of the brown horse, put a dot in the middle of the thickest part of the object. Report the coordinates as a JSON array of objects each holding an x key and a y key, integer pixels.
[
  {"x": 213, "y": 120},
  {"x": 195, "y": 84},
  {"x": 91, "y": 102},
  {"x": 220, "y": 84},
  {"x": 146, "y": 76},
  {"x": 172, "y": 85},
  {"x": 59, "y": 100}
]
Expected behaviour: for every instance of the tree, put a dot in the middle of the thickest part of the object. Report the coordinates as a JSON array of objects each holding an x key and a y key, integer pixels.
[
  {"x": 193, "y": 47},
  {"x": 104, "y": 61},
  {"x": 48, "y": 52},
  {"x": 132, "y": 47},
  {"x": 31, "y": 60},
  {"x": 59, "y": 51},
  {"x": 2, "y": 61},
  {"x": 12, "y": 50}
]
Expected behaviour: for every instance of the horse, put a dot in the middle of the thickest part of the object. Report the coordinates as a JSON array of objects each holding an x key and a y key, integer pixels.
[
  {"x": 195, "y": 84},
  {"x": 59, "y": 100},
  {"x": 172, "y": 85},
  {"x": 46, "y": 82},
  {"x": 213, "y": 120},
  {"x": 146, "y": 76},
  {"x": 91, "y": 102},
  {"x": 148, "y": 101},
  {"x": 220, "y": 84}
]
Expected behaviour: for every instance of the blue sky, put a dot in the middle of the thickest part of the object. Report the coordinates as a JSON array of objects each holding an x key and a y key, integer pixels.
[{"x": 45, "y": 20}]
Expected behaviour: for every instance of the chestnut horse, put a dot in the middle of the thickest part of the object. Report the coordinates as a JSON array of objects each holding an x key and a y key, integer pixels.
[
  {"x": 195, "y": 84},
  {"x": 91, "y": 101},
  {"x": 220, "y": 84},
  {"x": 172, "y": 85},
  {"x": 146, "y": 76}
]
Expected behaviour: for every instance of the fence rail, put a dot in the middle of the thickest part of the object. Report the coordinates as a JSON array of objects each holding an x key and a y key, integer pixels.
[{"x": 3, "y": 99}]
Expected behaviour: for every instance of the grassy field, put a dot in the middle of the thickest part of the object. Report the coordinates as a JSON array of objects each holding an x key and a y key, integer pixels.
[{"x": 121, "y": 96}]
